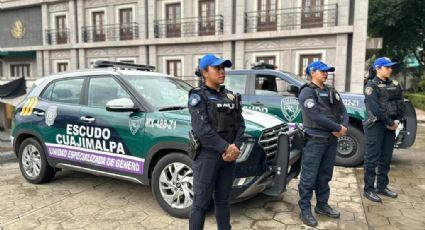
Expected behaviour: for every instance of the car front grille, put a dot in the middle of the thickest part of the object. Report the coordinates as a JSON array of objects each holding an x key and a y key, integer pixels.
[{"x": 269, "y": 141}]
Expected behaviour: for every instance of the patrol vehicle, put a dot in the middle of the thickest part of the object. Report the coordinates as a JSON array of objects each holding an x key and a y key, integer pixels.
[
  {"x": 275, "y": 92},
  {"x": 128, "y": 122}
]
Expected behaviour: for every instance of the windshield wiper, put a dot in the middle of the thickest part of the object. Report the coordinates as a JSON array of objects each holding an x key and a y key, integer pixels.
[{"x": 172, "y": 108}]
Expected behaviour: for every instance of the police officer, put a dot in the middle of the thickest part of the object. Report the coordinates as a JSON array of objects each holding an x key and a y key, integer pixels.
[
  {"x": 385, "y": 106},
  {"x": 325, "y": 119},
  {"x": 218, "y": 124}
]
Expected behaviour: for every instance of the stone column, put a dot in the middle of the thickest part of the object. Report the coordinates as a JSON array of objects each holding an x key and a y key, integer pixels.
[
  {"x": 47, "y": 67},
  {"x": 358, "y": 70},
  {"x": 153, "y": 55},
  {"x": 44, "y": 22},
  {"x": 39, "y": 61},
  {"x": 151, "y": 17},
  {"x": 80, "y": 19},
  {"x": 240, "y": 55},
  {"x": 72, "y": 22},
  {"x": 240, "y": 17},
  {"x": 341, "y": 61},
  {"x": 82, "y": 58}
]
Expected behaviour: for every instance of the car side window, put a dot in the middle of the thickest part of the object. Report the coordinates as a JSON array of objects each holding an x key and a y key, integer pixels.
[
  {"x": 269, "y": 85},
  {"x": 236, "y": 83},
  {"x": 104, "y": 89},
  {"x": 64, "y": 91}
]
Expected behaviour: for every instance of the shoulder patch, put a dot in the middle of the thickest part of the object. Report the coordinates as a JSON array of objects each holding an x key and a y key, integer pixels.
[
  {"x": 194, "y": 99},
  {"x": 231, "y": 96},
  {"x": 395, "y": 82},
  {"x": 309, "y": 103},
  {"x": 368, "y": 90}
]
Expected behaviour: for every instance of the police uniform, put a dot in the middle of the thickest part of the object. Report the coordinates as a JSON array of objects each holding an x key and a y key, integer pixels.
[
  {"x": 323, "y": 113},
  {"x": 217, "y": 122},
  {"x": 384, "y": 101}
]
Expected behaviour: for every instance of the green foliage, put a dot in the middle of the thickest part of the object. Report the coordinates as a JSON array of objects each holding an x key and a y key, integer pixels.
[
  {"x": 401, "y": 23},
  {"x": 417, "y": 99}
]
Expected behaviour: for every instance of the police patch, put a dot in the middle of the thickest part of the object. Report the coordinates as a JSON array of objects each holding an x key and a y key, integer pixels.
[
  {"x": 395, "y": 82},
  {"x": 51, "y": 114},
  {"x": 231, "y": 96},
  {"x": 134, "y": 124},
  {"x": 194, "y": 100},
  {"x": 368, "y": 90},
  {"x": 309, "y": 103}
]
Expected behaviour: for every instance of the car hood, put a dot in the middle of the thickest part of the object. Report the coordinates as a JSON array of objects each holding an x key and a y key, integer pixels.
[{"x": 255, "y": 122}]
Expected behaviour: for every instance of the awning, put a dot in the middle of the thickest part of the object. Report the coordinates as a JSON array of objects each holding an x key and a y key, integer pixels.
[
  {"x": 17, "y": 54},
  {"x": 12, "y": 101}
]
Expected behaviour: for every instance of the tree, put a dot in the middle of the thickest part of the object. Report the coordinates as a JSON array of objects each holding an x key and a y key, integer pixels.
[{"x": 401, "y": 24}]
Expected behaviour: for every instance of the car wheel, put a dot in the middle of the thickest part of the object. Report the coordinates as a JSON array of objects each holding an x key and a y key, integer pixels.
[
  {"x": 350, "y": 148},
  {"x": 172, "y": 184},
  {"x": 33, "y": 163}
]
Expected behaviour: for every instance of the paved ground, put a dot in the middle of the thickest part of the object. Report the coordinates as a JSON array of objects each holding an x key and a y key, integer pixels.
[{"x": 81, "y": 201}]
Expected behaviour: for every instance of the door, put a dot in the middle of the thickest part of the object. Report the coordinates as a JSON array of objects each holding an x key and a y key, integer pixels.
[
  {"x": 120, "y": 134},
  {"x": 98, "y": 26},
  {"x": 61, "y": 34},
  {"x": 126, "y": 24},
  {"x": 305, "y": 60},
  {"x": 174, "y": 68},
  {"x": 267, "y": 15},
  {"x": 206, "y": 17},
  {"x": 312, "y": 14},
  {"x": 173, "y": 15},
  {"x": 55, "y": 114}
]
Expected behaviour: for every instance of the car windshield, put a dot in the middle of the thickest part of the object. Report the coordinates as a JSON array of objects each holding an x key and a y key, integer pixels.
[
  {"x": 163, "y": 93},
  {"x": 296, "y": 77}
]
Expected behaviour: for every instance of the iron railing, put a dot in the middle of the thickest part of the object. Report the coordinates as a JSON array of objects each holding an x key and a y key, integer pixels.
[
  {"x": 186, "y": 27},
  {"x": 292, "y": 18},
  {"x": 110, "y": 32},
  {"x": 55, "y": 36}
]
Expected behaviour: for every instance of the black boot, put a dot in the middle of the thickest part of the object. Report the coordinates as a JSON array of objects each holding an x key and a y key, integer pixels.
[
  {"x": 327, "y": 211},
  {"x": 387, "y": 192},
  {"x": 308, "y": 219},
  {"x": 372, "y": 196}
]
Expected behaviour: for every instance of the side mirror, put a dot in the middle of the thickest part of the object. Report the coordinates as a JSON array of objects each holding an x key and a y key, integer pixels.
[
  {"x": 292, "y": 89},
  {"x": 121, "y": 105}
]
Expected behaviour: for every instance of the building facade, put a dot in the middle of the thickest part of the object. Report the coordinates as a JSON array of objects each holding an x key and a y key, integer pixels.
[{"x": 42, "y": 37}]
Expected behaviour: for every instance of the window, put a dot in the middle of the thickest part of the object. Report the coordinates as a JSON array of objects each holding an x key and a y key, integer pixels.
[
  {"x": 64, "y": 91},
  {"x": 174, "y": 68},
  {"x": 236, "y": 83},
  {"x": 126, "y": 23},
  {"x": 61, "y": 34},
  {"x": 20, "y": 70},
  {"x": 206, "y": 17},
  {"x": 267, "y": 59},
  {"x": 98, "y": 22},
  {"x": 61, "y": 66},
  {"x": 173, "y": 15},
  {"x": 269, "y": 85},
  {"x": 305, "y": 60},
  {"x": 312, "y": 14},
  {"x": 104, "y": 89},
  {"x": 267, "y": 15}
]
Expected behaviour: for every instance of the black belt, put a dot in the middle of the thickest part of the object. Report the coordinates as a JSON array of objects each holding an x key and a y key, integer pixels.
[{"x": 318, "y": 138}]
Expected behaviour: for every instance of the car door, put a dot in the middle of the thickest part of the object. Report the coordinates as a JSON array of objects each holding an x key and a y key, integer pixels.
[
  {"x": 115, "y": 138},
  {"x": 57, "y": 109}
]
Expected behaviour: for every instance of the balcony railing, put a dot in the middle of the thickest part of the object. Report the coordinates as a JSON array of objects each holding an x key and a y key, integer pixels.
[
  {"x": 55, "y": 36},
  {"x": 110, "y": 32},
  {"x": 291, "y": 18},
  {"x": 187, "y": 27}
]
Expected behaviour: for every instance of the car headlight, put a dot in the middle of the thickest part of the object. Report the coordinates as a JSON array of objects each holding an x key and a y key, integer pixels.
[{"x": 245, "y": 150}]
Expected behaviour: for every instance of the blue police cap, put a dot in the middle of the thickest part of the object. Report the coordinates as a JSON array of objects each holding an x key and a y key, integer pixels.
[
  {"x": 318, "y": 65},
  {"x": 212, "y": 60},
  {"x": 383, "y": 61}
]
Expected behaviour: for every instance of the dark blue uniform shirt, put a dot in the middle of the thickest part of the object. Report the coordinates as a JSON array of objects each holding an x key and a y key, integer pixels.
[
  {"x": 204, "y": 119},
  {"x": 308, "y": 100}
]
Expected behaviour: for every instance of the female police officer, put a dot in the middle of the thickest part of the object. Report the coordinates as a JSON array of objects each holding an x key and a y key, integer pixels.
[
  {"x": 324, "y": 118},
  {"x": 385, "y": 106},
  {"x": 218, "y": 124}
]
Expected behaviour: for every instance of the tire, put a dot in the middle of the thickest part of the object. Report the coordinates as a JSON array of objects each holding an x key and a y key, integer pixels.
[
  {"x": 33, "y": 163},
  {"x": 350, "y": 148},
  {"x": 164, "y": 184}
]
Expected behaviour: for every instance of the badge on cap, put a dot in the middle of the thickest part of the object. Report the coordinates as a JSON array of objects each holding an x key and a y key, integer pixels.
[
  {"x": 309, "y": 103},
  {"x": 231, "y": 96},
  {"x": 194, "y": 100},
  {"x": 368, "y": 90}
]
